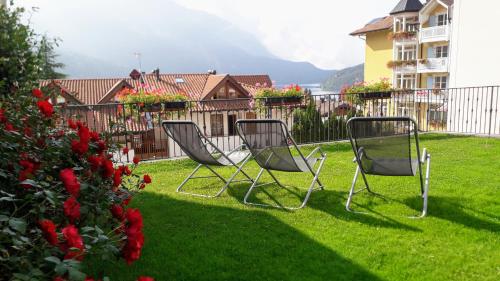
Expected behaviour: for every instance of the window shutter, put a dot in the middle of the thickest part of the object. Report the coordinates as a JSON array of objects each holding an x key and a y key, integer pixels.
[
  {"x": 431, "y": 52},
  {"x": 432, "y": 21},
  {"x": 430, "y": 82}
]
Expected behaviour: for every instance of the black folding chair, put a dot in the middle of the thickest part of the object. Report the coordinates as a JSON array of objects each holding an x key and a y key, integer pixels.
[
  {"x": 269, "y": 143},
  {"x": 200, "y": 149},
  {"x": 383, "y": 146}
]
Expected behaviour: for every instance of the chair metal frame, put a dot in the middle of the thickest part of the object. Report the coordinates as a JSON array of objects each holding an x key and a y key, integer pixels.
[
  {"x": 255, "y": 184},
  {"x": 215, "y": 149},
  {"x": 425, "y": 158}
]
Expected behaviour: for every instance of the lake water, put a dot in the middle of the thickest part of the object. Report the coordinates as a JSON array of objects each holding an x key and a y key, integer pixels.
[{"x": 315, "y": 89}]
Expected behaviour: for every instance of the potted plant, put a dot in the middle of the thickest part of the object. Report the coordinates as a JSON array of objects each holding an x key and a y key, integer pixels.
[
  {"x": 363, "y": 90},
  {"x": 292, "y": 94},
  {"x": 151, "y": 101}
]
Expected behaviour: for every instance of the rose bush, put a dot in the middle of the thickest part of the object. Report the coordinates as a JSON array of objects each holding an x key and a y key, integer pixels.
[{"x": 62, "y": 199}]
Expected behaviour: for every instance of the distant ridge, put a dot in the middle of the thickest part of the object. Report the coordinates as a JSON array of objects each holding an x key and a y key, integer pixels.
[{"x": 346, "y": 76}]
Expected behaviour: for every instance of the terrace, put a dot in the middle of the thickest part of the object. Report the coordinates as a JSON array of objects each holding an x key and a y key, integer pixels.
[{"x": 190, "y": 238}]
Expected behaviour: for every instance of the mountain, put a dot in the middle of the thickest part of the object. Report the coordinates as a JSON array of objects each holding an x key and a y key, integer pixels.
[
  {"x": 346, "y": 76},
  {"x": 175, "y": 39}
]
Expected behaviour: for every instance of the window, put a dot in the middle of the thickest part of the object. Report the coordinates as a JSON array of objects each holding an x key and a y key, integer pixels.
[
  {"x": 440, "y": 82},
  {"x": 232, "y": 93},
  {"x": 442, "y": 19},
  {"x": 407, "y": 52},
  {"x": 179, "y": 80},
  {"x": 405, "y": 81},
  {"x": 441, "y": 51},
  {"x": 216, "y": 125},
  {"x": 231, "y": 126}
]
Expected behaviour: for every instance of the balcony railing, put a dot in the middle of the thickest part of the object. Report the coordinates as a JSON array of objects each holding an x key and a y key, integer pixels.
[
  {"x": 432, "y": 65},
  {"x": 434, "y": 34}
]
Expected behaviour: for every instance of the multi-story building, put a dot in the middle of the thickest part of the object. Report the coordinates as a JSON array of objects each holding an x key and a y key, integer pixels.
[{"x": 410, "y": 46}]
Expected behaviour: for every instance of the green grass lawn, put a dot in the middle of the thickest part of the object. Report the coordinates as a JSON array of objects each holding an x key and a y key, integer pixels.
[{"x": 191, "y": 238}]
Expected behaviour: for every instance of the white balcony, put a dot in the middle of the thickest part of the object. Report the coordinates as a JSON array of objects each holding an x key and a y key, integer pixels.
[
  {"x": 405, "y": 69},
  {"x": 432, "y": 65},
  {"x": 435, "y": 34}
]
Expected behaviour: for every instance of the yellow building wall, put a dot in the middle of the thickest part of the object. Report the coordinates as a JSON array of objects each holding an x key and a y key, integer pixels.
[{"x": 378, "y": 53}]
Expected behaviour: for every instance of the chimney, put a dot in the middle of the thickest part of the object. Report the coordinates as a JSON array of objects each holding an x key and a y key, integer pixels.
[
  {"x": 156, "y": 72},
  {"x": 212, "y": 71},
  {"x": 135, "y": 74}
]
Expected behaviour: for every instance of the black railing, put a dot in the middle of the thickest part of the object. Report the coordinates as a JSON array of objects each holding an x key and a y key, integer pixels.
[{"x": 311, "y": 119}]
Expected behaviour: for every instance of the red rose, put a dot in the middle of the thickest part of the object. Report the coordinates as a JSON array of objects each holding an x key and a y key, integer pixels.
[
  {"x": 145, "y": 278},
  {"x": 101, "y": 146},
  {"x": 45, "y": 107},
  {"x": 70, "y": 181},
  {"x": 9, "y": 127},
  {"x": 78, "y": 147},
  {"x": 135, "y": 238},
  {"x": 125, "y": 150},
  {"x": 142, "y": 186},
  {"x": 134, "y": 218},
  {"x": 28, "y": 132},
  {"x": 72, "y": 124},
  {"x": 59, "y": 278},
  {"x": 72, "y": 240},
  {"x": 37, "y": 93},
  {"x": 117, "y": 211},
  {"x": 72, "y": 209},
  {"x": 84, "y": 134},
  {"x": 94, "y": 136},
  {"x": 3, "y": 119},
  {"x": 147, "y": 178},
  {"x": 49, "y": 231},
  {"x": 127, "y": 200},
  {"x": 127, "y": 171},
  {"x": 95, "y": 162},
  {"x": 136, "y": 160},
  {"x": 117, "y": 178},
  {"x": 108, "y": 168},
  {"x": 89, "y": 279}
]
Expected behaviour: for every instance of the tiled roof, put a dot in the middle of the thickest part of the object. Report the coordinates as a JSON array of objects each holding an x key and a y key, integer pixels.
[
  {"x": 375, "y": 25},
  {"x": 254, "y": 80},
  {"x": 407, "y": 6},
  {"x": 448, "y": 2},
  {"x": 87, "y": 91},
  {"x": 194, "y": 86}
]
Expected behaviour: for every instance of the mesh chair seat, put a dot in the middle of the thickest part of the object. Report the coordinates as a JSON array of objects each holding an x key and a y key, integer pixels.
[
  {"x": 237, "y": 157},
  {"x": 390, "y": 167}
]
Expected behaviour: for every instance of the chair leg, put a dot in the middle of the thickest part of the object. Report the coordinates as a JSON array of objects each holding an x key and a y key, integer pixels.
[
  {"x": 426, "y": 187},
  {"x": 240, "y": 169},
  {"x": 351, "y": 192},
  {"x": 190, "y": 177},
  {"x": 304, "y": 202},
  {"x": 275, "y": 179}
]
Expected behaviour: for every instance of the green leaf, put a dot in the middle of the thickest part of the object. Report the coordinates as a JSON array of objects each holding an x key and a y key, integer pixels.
[
  {"x": 18, "y": 225},
  {"x": 4, "y": 218},
  {"x": 75, "y": 274},
  {"x": 53, "y": 259}
]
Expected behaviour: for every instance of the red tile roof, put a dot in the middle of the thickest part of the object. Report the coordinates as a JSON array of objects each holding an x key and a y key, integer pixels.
[
  {"x": 375, "y": 25},
  {"x": 194, "y": 86}
]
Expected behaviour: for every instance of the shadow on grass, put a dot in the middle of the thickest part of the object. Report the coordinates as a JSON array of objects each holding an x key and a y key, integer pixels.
[
  {"x": 449, "y": 208},
  {"x": 327, "y": 201},
  {"x": 191, "y": 241}
]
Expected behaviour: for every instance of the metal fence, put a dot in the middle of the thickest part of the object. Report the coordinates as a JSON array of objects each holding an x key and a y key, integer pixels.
[{"x": 310, "y": 119}]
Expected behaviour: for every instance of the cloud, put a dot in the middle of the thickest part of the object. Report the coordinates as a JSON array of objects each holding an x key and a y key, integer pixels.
[
  {"x": 300, "y": 30},
  {"x": 314, "y": 30}
]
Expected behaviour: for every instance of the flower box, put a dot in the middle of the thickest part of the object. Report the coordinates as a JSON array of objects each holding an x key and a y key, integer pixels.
[
  {"x": 153, "y": 107},
  {"x": 282, "y": 100},
  {"x": 376, "y": 95},
  {"x": 174, "y": 105}
]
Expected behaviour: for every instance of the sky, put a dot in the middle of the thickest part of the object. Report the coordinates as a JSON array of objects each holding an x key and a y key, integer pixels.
[{"x": 316, "y": 31}]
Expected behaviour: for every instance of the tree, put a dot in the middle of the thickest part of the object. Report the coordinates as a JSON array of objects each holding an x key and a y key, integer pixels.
[{"x": 48, "y": 59}]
